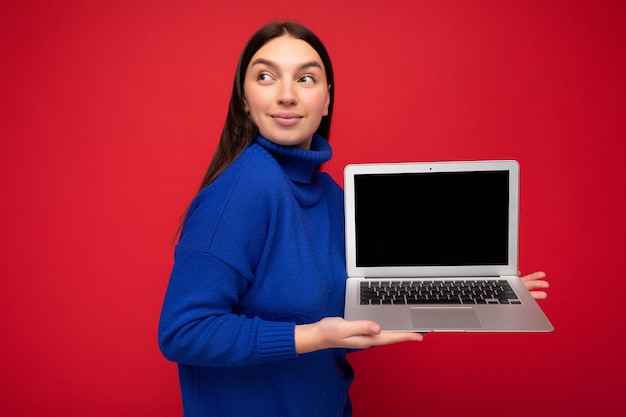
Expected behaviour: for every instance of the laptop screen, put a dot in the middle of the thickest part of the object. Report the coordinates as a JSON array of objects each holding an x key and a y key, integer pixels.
[{"x": 432, "y": 218}]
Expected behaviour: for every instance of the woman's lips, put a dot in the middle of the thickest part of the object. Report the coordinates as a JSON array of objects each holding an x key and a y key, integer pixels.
[{"x": 286, "y": 119}]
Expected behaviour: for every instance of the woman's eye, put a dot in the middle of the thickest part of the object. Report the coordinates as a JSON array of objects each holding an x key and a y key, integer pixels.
[
  {"x": 308, "y": 79},
  {"x": 263, "y": 77}
]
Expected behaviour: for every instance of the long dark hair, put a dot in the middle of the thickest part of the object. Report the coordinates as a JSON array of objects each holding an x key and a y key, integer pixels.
[{"x": 239, "y": 129}]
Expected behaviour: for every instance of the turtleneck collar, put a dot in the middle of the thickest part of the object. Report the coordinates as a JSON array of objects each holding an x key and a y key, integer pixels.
[{"x": 299, "y": 165}]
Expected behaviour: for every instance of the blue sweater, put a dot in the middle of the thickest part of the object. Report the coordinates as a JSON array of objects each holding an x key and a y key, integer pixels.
[{"x": 261, "y": 250}]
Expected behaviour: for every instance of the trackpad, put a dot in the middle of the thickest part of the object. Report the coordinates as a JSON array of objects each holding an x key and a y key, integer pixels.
[{"x": 444, "y": 318}]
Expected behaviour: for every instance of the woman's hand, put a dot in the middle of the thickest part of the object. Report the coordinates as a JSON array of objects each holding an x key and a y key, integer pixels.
[
  {"x": 335, "y": 332},
  {"x": 534, "y": 281}
]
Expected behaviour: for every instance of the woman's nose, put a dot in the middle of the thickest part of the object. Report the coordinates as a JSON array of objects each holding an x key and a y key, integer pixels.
[{"x": 286, "y": 94}]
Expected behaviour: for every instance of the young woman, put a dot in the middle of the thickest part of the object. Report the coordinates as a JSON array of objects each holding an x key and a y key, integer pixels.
[{"x": 252, "y": 311}]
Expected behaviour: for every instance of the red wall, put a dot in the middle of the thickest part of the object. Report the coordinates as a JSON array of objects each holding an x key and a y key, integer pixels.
[{"x": 109, "y": 113}]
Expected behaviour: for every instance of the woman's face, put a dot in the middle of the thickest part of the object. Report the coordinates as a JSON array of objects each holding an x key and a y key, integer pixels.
[{"x": 286, "y": 92}]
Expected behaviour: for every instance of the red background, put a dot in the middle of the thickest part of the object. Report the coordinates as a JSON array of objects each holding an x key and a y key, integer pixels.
[{"x": 109, "y": 114}]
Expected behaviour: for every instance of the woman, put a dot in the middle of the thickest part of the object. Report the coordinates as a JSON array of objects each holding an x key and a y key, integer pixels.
[{"x": 252, "y": 311}]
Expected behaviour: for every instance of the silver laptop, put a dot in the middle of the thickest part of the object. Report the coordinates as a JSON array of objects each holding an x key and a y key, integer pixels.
[{"x": 434, "y": 247}]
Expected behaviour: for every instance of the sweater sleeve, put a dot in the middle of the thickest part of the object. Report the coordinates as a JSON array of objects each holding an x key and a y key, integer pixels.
[
  {"x": 198, "y": 325},
  {"x": 214, "y": 265}
]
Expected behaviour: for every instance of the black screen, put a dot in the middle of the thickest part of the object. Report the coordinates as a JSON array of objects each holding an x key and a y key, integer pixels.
[{"x": 432, "y": 219}]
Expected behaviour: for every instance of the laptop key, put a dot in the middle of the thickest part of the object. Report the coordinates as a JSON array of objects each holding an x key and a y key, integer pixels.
[{"x": 451, "y": 301}]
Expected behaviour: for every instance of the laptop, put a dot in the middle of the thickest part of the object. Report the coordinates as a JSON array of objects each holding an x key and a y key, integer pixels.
[{"x": 433, "y": 247}]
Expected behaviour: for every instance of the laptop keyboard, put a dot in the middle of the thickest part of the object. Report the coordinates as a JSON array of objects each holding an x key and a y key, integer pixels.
[{"x": 381, "y": 292}]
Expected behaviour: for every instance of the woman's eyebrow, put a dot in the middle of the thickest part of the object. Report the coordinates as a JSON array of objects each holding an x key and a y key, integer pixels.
[{"x": 273, "y": 65}]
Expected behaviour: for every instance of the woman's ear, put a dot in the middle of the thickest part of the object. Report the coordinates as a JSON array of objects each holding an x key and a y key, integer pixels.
[
  {"x": 327, "y": 104},
  {"x": 246, "y": 108}
]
